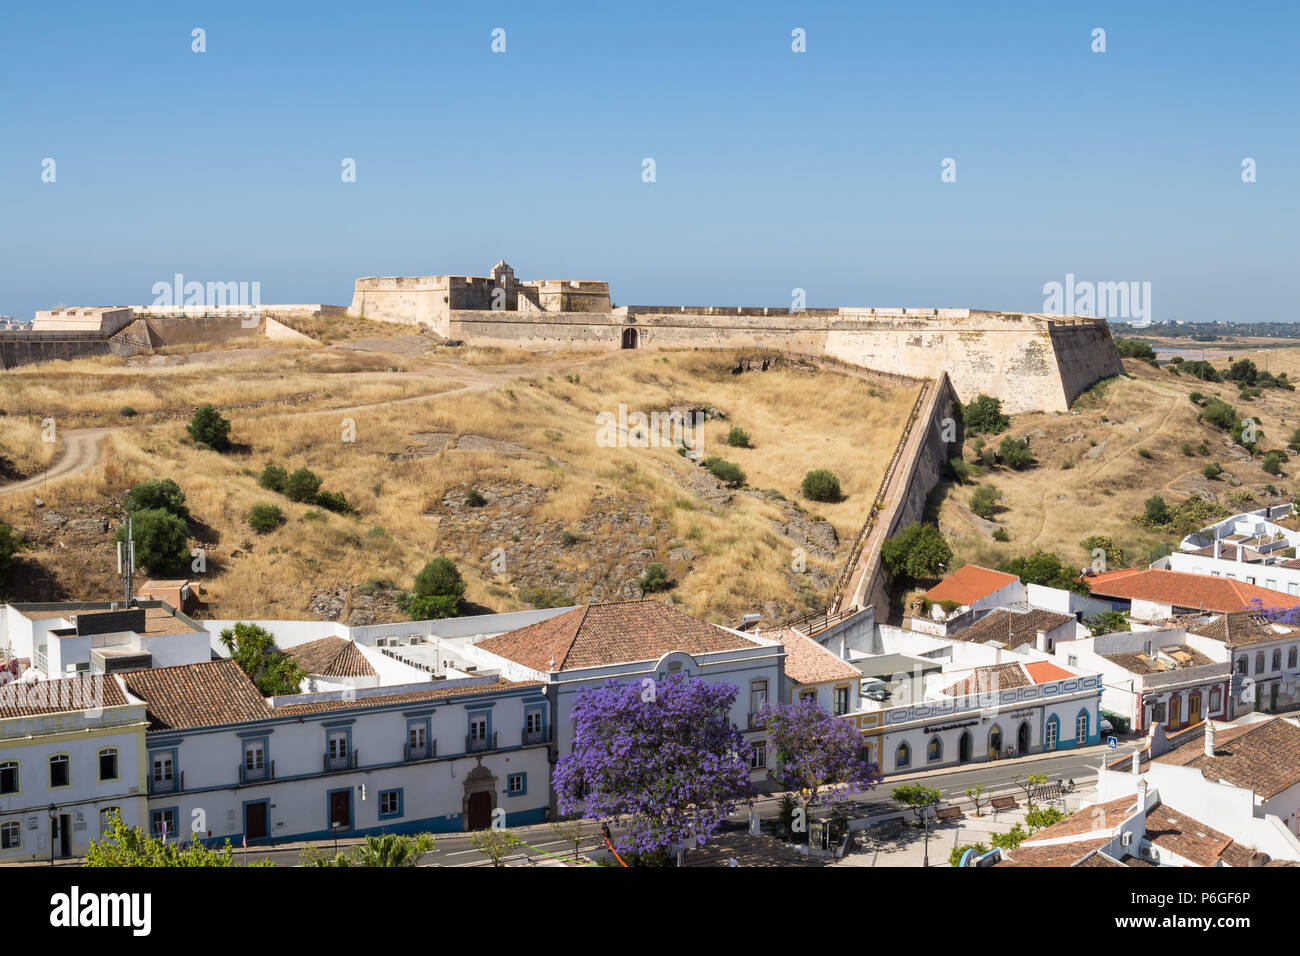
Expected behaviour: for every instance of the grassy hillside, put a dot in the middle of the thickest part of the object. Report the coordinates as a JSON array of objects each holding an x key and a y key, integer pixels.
[
  {"x": 571, "y": 520},
  {"x": 1126, "y": 439}
]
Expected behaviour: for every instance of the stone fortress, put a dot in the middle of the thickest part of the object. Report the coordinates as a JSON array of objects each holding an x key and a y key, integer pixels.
[{"x": 1032, "y": 362}]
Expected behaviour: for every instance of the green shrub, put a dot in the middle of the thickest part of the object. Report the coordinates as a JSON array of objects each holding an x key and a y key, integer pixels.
[
  {"x": 160, "y": 493},
  {"x": 1015, "y": 453},
  {"x": 1067, "y": 464},
  {"x": 725, "y": 471},
  {"x": 10, "y": 540},
  {"x": 273, "y": 477},
  {"x": 1145, "y": 453},
  {"x": 568, "y": 538},
  {"x": 314, "y": 515},
  {"x": 1197, "y": 398},
  {"x": 738, "y": 437},
  {"x": 821, "y": 485},
  {"x": 1001, "y": 535},
  {"x": 475, "y": 498},
  {"x": 1157, "y": 511},
  {"x": 1273, "y": 460},
  {"x": 333, "y": 501},
  {"x": 265, "y": 518},
  {"x": 161, "y": 541},
  {"x": 1188, "y": 450},
  {"x": 1132, "y": 348},
  {"x": 655, "y": 578},
  {"x": 1045, "y": 568},
  {"x": 428, "y": 607},
  {"x": 960, "y": 470},
  {"x": 303, "y": 485},
  {"x": 984, "y": 502},
  {"x": 540, "y": 597},
  {"x": 1212, "y": 470},
  {"x": 954, "y": 857},
  {"x": 207, "y": 427},
  {"x": 126, "y": 411},
  {"x": 984, "y": 415}
]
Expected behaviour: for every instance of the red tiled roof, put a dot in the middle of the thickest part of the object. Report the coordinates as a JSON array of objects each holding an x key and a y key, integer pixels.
[
  {"x": 1098, "y": 818},
  {"x": 598, "y": 635},
  {"x": 1185, "y": 589},
  {"x": 197, "y": 695},
  {"x": 1263, "y": 756},
  {"x": 1055, "y": 854},
  {"x": 969, "y": 583},
  {"x": 1189, "y": 838},
  {"x": 807, "y": 662},
  {"x": 32, "y": 698},
  {"x": 1012, "y": 628},
  {"x": 989, "y": 680},
  {"x": 1044, "y": 672},
  {"x": 331, "y": 657}
]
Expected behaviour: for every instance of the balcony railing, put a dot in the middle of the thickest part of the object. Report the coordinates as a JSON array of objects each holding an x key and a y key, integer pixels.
[
  {"x": 173, "y": 784},
  {"x": 536, "y": 736},
  {"x": 427, "y": 752},
  {"x": 343, "y": 761},
  {"x": 475, "y": 744},
  {"x": 257, "y": 774}
]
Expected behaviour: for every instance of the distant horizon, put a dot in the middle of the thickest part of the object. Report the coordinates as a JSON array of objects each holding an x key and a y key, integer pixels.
[{"x": 944, "y": 157}]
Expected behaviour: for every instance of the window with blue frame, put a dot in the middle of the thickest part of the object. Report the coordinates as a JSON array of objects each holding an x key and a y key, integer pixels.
[
  {"x": 516, "y": 784},
  {"x": 163, "y": 823},
  {"x": 390, "y": 804}
]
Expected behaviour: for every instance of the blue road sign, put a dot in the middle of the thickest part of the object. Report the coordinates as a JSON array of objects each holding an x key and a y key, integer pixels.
[{"x": 1112, "y": 743}]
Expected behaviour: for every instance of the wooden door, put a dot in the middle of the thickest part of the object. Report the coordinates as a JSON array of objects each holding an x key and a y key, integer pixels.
[
  {"x": 255, "y": 821},
  {"x": 480, "y": 810}
]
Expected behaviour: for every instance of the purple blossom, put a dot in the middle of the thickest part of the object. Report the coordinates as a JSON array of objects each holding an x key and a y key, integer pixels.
[
  {"x": 671, "y": 761},
  {"x": 817, "y": 755}
]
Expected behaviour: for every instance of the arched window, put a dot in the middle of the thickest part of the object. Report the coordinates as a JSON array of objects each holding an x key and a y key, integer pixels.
[
  {"x": 935, "y": 750},
  {"x": 903, "y": 756},
  {"x": 1050, "y": 733},
  {"x": 1081, "y": 728}
]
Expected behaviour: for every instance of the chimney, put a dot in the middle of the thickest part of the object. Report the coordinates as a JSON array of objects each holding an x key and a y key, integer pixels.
[
  {"x": 1142, "y": 796},
  {"x": 1137, "y": 762},
  {"x": 1209, "y": 737},
  {"x": 1218, "y": 547},
  {"x": 1040, "y": 641},
  {"x": 1241, "y": 552}
]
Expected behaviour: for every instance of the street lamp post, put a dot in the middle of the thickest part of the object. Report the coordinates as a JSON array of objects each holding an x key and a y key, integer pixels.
[{"x": 926, "y": 818}]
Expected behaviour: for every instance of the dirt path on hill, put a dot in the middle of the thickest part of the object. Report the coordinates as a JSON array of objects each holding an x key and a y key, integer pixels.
[
  {"x": 81, "y": 449},
  {"x": 82, "y": 446}
]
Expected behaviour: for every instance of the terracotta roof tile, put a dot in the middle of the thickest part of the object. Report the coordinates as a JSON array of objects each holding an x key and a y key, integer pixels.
[
  {"x": 1012, "y": 629},
  {"x": 332, "y": 657},
  {"x": 1044, "y": 672},
  {"x": 1263, "y": 756},
  {"x": 1185, "y": 589},
  {"x": 1238, "y": 629},
  {"x": 598, "y": 635},
  {"x": 1098, "y": 818},
  {"x": 807, "y": 662},
  {"x": 1055, "y": 854},
  {"x": 969, "y": 583},
  {"x": 989, "y": 680},
  {"x": 31, "y": 698},
  {"x": 197, "y": 695},
  {"x": 1172, "y": 830}
]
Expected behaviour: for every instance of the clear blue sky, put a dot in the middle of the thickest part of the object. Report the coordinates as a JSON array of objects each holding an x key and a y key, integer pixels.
[{"x": 775, "y": 170}]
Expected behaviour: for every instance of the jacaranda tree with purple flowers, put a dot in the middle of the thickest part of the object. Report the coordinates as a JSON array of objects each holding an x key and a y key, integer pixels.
[
  {"x": 663, "y": 754},
  {"x": 1275, "y": 615},
  {"x": 818, "y": 756}
]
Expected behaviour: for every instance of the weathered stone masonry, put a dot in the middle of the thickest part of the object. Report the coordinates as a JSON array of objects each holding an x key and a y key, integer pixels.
[{"x": 1030, "y": 361}]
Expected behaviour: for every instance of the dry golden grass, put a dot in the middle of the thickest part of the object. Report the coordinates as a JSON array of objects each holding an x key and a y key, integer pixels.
[
  {"x": 1053, "y": 509},
  {"x": 798, "y": 419},
  {"x": 22, "y": 445}
]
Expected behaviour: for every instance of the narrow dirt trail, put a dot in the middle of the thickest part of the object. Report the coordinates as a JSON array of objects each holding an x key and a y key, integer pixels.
[{"x": 81, "y": 450}]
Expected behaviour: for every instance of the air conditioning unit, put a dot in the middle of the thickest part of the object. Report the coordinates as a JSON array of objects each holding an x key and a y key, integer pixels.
[{"x": 417, "y": 639}]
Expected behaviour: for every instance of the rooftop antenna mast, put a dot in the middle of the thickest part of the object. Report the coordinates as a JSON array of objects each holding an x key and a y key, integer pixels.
[{"x": 126, "y": 558}]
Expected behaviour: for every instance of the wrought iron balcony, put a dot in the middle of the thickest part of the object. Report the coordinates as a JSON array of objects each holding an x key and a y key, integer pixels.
[
  {"x": 475, "y": 744},
  {"x": 173, "y": 784},
  {"x": 257, "y": 774},
  {"x": 344, "y": 761},
  {"x": 427, "y": 752},
  {"x": 536, "y": 736}
]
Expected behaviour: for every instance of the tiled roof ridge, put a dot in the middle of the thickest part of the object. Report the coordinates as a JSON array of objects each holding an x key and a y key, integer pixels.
[{"x": 577, "y": 628}]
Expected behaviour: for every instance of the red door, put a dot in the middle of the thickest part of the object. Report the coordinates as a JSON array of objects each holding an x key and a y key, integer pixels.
[{"x": 480, "y": 810}]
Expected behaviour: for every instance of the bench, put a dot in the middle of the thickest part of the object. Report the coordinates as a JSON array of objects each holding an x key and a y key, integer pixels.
[
  {"x": 1004, "y": 803},
  {"x": 945, "y": 814}
]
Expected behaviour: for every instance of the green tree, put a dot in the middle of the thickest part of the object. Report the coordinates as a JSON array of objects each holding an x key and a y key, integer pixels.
[
  {"x": 1211, "y": 471},
  {"x": 1045, "y": 568},
  {"x": 570, "y": 830},
  {"x": 984, "y": 502},
  {"x": 161, "y": 541},
  {"x": 917, "y": 796},
  {"x": 976, "y": 795},
  {"x": 954, "y": 858},
  {"x": 495, "y": 843},
  {"x": 392, "y": 849},
  {"x": 302, "y": 485},
  {"x": 1015, "y": 453},
  {"x": 1157, "y": 511},
  {"x": 916, "y": 552},
  {"x": 439, "y": 588},
  {"x": 128, "y": 846},
  {"x": 821, "y": 485},
  {"x": 161, "y": 494},
  {"x": 253, "y": 648},
  {"x": 1133, "y": 348},
  {"x": 1114, "y": 553},
  {"x": 207, "y": 427},
  {"x": 1107, "y": 622},
  {"x": 984, "y": 415},
  {"x": 1011, "y": 839},
  {"x": 738, "y": 437},
  {"x": 1029, "y": 784},
  {"x": 1273, "y": 462}
]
